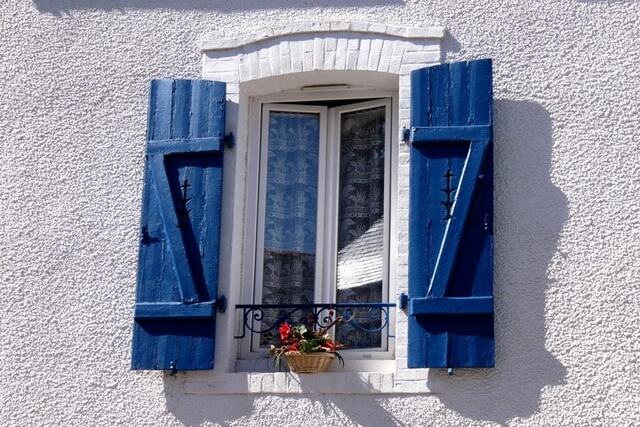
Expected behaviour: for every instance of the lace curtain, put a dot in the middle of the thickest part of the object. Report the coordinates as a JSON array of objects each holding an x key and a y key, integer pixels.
[
  {"x": 291, "y": 211},
  {"x": 360, "y": 221}
]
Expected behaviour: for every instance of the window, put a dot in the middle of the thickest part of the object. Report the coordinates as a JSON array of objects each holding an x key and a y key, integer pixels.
[
  {"x": 322, "y": 187},
  {"x": 186, "y": 229}
]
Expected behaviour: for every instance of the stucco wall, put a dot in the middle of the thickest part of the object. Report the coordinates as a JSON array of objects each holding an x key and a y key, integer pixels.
[{"x": 72, "y": 114}]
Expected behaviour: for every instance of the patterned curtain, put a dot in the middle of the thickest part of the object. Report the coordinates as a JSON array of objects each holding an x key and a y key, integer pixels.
[
  {"x": 360, "y": 221},
  {"x": 291, "y": 211}
]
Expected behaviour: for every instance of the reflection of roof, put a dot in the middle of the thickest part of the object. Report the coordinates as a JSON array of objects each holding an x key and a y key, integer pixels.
[{"x": 361, "y": 261}]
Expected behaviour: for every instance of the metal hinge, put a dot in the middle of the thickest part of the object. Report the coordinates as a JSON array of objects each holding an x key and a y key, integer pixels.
[
  {"x": 403, "y": 301},
  {"x": 405, "y": 135},
  {"x": 172, "y": 368},
  {"x": 229, "y": 140},
  {"x": 221, "y": 303}
]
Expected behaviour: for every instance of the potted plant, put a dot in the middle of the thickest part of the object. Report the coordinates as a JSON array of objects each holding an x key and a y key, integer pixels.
[{"x": 305, "y": 350}]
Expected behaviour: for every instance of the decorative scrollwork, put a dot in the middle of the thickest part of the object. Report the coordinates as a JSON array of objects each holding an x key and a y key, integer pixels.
[
  {"x": 183, "y": 210},
  {"x": 315, "y": 316},
  {"x": 448, "y": 191}
]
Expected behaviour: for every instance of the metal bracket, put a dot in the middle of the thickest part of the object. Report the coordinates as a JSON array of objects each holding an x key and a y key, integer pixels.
[
  {"x": 229, "y": 140},
  {"x": 221, "y": 304}
]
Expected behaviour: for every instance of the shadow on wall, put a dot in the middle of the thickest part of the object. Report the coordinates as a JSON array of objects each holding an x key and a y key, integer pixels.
[
  {"x": 529, "y": 214},
  {"x": 200, "y": 409},
  {"x": 60, "y": 7}
]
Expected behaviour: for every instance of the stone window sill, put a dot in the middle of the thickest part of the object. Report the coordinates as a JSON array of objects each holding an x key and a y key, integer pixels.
[{"x": 401, "y": 382}]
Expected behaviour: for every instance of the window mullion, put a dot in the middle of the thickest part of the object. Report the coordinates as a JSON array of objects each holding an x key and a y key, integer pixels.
[
  {"x": 321, "y": 210},
  {"x": 333, "y": 156}
]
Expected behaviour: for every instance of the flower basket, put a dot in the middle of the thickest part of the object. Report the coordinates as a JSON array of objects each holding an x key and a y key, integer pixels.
[
  {"x": 306, "y": 351},
  {"x": 308, "y": 363}
]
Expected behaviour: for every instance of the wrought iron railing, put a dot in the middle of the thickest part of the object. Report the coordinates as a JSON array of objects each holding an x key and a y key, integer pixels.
[{"x": 264, "y": 319}]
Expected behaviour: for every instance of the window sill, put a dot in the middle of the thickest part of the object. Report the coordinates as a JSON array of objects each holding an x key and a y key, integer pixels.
[
  {"x": 266, "y": 365},
  {"x": 323, "y": 383}
]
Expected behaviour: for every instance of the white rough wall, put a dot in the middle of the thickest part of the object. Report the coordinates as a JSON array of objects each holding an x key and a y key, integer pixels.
[{"x": 74, "y": 77}]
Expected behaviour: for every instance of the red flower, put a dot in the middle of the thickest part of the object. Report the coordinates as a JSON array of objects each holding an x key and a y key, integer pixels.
[
  {"x": 331, "y": 345},
  {"x": 285, "y": 331}
]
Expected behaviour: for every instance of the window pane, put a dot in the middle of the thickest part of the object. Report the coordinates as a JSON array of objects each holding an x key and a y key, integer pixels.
[
  {"x": 291, "y": 211},
  {"x": 361, "y": 222}
]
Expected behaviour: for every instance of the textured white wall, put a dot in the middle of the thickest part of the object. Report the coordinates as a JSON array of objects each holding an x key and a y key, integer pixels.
[{"x": 72, "y": 113}]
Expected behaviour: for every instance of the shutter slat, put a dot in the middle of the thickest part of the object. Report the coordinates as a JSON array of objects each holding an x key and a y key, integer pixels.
[
  {"x": 450, "y": 235},
  {"x": 441, "y": 101},
  {"x": 181, "y": 111},
  {"x": 480, "y": 92},
  {"x": 179, "y": 247},
  {"x": 161, "y": 98},
  {"x": 459, "y": 90}
]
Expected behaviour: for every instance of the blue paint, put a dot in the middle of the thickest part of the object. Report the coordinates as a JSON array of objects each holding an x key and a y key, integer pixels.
[
  {"x": 451, "y": 241},
  {"x": 174, "y": 326},
  {"x": 450, "y": 306},
  {"x": 177, "y": 310},
  {"x": 185, "y": 145},
  {"x": 423, "y": 134}
]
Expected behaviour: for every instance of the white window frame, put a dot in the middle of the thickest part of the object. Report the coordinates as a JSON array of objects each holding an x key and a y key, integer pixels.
[{"x": 259, "y": 107}]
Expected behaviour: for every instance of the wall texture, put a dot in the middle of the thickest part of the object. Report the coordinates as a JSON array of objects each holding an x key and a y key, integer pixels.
[{"x": 72, "y": 113}]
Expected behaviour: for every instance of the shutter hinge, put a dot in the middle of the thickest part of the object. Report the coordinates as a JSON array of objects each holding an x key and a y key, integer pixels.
[
  {"x": 221, "y": 303},
  {"x": 229, "y": 140},
  {"x": 145, "y": 237},
  {"x": 173, "y": 368},
  {"x": 405, "y": 135},
  {"x": 403, "y": 301}
]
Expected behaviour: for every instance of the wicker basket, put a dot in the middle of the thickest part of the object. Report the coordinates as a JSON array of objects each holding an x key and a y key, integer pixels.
[{"x": 307, "y": 363}]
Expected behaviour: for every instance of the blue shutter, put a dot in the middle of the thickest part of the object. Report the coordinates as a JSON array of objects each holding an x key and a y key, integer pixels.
[
  {"x": 451, "y": 209},
  {"x": 174, "y": 326}
]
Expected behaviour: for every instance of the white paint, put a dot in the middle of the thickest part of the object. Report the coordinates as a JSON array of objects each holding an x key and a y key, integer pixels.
[
  {"x": 324, "y": 27},
  {"x": 73, "y": 111},
  {"x": 338, "y": 383}
]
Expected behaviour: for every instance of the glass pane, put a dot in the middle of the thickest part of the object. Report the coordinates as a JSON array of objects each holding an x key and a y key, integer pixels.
[
  {"x": 361, "y": 223},
  {"x": 291, "y": 211}
]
